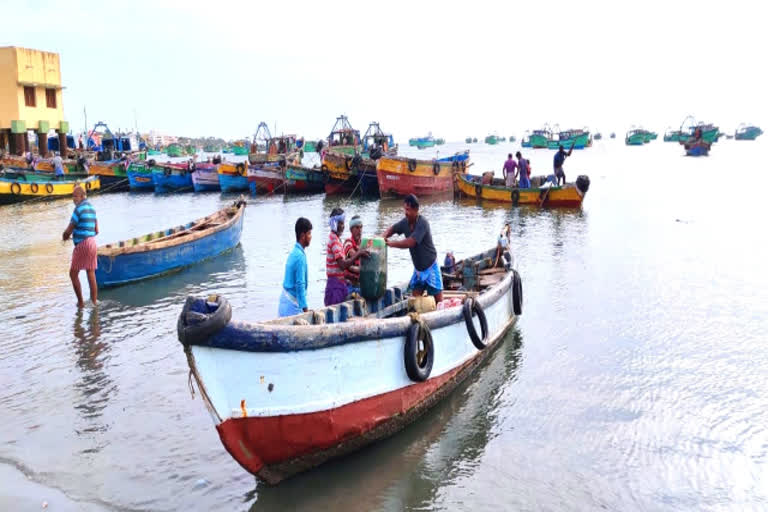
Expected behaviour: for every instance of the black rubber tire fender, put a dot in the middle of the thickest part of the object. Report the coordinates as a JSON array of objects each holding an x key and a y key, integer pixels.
[
  {"x": 418, "y": 368},
  {"x": 49, "y": 188},
  {"x": 436, "y": 168},
  {"x": 479, "y": 191},
  {"x": 240, "y": 169},
  {"x": 15, "y": 189},
  {"x": 151, "y": 162},
  {"x": 515, "y": 196},
  {"x": 34, "y": 188},
  {"x": 411, "y": 164},
  {"x": 87, "y": 185},
  {"x": 455, "y": 165},
  {"x": 348, "y": 163},
  {"x": 472, "y": 307},
  {"x": 198, "y": 333},
  {"x": 517, "y": 293}
]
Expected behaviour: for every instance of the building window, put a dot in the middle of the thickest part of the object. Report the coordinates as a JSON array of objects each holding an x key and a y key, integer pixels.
[
  {"x": 29, "y": 96},
  {"x": 50, "y": 98}
]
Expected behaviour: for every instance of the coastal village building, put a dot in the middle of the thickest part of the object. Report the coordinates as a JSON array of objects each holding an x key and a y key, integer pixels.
[{"x": 30, "y": 99}]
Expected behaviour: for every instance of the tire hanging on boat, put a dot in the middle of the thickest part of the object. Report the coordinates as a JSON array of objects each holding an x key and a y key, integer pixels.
[
  {"x": 151, "y": 162},
  {"x": 34, "y": 188},
  {"x": 515, "y": 196},
  {"x": 455, "y": 165},
  {"x": 411, "y": 164},
  {"x": 49, "y": 188},
  {"x": 436, "y": 168},
  {"x": 418, "y": 363},
  {"x": 479, "y": 191},
  {"x": 87, "y": 185},
  {"x": 15, "y": 189},
  {"x": 517, "y": 293},
  {"x": 240, "y": 169},
  {"x": 471, "y": 306},
  {"x": 196, "y": 324},
  {"x": 326, "y": 173}
]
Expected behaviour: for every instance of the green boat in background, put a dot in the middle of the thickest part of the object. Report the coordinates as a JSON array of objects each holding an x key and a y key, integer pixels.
[
  {"x": 577, "y": 139},
  {"x": 343, "y": 138},
  {"x": 474, "y": 140},
  {"x": 211, "y": 149},
  {"x": 422, "y": 142},
  {"x": 539, "y": 138},
  {"x": 635, "y": 137},
  {"x": 491, "y": 139},
  {"x": 155, "y": 152},
  {"x": 672, "y": 135},
  {"x": 468, "y": 140},
  {"x": 744, "y": 132},
  {"x": 310, "y": 146},
  {"x": 174, "y": 150},
  {"x": 239, "y": 150}
]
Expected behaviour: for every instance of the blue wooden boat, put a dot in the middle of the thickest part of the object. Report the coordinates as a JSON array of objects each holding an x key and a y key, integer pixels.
[
  {"x": 140, "y": 176},
  {"x": 165, "y": 251},
  {"x": 233, "y": 177},
  {"x": 173, "y": 178},
  {"x": 205, "y": 178},
  {"x": 697, "y": 148}
]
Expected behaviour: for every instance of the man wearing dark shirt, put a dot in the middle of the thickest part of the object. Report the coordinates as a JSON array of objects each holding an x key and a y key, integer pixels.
[
  {"x": 558, "y": 163},
  {"x": 418, "y": 240}
]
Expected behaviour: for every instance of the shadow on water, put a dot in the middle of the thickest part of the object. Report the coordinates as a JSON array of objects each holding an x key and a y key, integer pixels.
[
  {"x": 95, "y": 386},
  {"x": 189, "y": 280},
  {"x": 409, "y": 469}
]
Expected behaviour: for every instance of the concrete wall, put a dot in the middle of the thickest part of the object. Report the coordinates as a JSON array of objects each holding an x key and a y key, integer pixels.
[{"x": 29, "y": 67}]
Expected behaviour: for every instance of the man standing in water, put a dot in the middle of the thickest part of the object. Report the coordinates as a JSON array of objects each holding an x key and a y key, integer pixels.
[
  {"x": 293, "y": 299},
  {"x": 418, "y": 240},
  {"x": 558, "y": 163},
  {"x": 83, "y": 228},
  {"x": 509, "y": 170},
  {"x": 336, "y": 262}
]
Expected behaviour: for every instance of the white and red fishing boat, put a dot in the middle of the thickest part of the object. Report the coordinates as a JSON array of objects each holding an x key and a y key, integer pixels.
[{"x": 289, "y": 394}]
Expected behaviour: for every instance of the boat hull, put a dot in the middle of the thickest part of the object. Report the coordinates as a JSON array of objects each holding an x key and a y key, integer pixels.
[
  {"x": 171, "y": 180},
  {"x": 568, "y": 196},
  {"x": 206, "y": 180},
  {"x": 396, "y": 178},
  {"x": 127, "y": 268},
  {"x": 276, "y": 425},
  {"x": 15, "y": 191},
  {"x": 344, "y": 175}
]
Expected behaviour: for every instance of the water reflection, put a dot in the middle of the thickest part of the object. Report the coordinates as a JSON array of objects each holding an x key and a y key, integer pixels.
[
  {"x": 218, "y": 271},
  {"x": 95, "y": 385},
  {"x": 409, "y": 469}
]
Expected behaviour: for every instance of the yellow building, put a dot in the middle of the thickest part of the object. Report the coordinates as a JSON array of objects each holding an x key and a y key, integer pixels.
[{"x": 30, "y": 98}]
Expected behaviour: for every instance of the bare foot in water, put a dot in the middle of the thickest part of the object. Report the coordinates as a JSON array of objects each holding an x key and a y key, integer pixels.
[{"x": 80, "y": 305}]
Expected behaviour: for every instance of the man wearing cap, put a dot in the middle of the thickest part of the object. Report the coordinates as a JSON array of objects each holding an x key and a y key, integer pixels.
[
  {"x": 418, "y": 240},
  {"x": 336, "y": 262},
  {"x": 83, "y": 228},
  {"x": 351, "y": 246}
]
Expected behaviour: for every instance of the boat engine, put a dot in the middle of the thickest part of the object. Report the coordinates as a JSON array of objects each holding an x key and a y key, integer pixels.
[{"x": 582, "y": 183}]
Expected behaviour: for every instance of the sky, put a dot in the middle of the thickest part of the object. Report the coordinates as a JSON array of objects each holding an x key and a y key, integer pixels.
[{"x": 455, "y": 69}]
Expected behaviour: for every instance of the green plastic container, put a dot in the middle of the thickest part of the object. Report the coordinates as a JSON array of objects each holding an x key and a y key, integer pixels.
[{"x": 373, "y": 270}]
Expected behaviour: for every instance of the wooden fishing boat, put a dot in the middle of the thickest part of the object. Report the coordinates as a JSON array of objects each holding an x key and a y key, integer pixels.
[
  {"x": 205, "y": 177},
  {"x": 422, "y": 142},
  {"x": 175, "y": 150},
  {"x": 744, "y": 132},
  {"x": 468, "y": 140},
  {"x": 140, "y": 176},
  {"x": 697, "y": 148},
  {"x": 347, "y": 173},
  {"x": 577, "y": 138},
  {"x": 401, "y": 176},
  {"x": 539, "y": 139},
  {"x": 165, "y": 251},
  {"x": 570, "y": 194},
  {"x": 173, "y": 178},
  {"x": 344, "y": 138},
  {"x": 20, "y": 185},
  {"x": 289, "y": 394},
  {"x": 635, "y": 137},
  {"x": 491, "y": 139},
  {"x": 377, "y": 143},
  {"x": 113, "y": 174},
  {"x": 233, "y": 177},
  {"x": 276, "y": 149}
]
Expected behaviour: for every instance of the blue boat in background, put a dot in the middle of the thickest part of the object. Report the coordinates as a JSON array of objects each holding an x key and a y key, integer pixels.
[
  {"x": 140, "y": 177},
  {"x": 458, "y": 157},
  {"x": 172, "y": 178},
  {"x": 233, "y": 177},
  {"x": 169, "y": 250}
]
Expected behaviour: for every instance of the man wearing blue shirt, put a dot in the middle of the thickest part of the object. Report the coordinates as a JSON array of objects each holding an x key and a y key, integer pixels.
[
  {"x": 293, "y": 299},
  {"x": 83, "y": 228},
  {"x": 558, "y": 163}
]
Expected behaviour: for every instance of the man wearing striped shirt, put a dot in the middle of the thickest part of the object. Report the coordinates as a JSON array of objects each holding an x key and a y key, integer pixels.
[
  {"x": 336, "y": 262},
  {"x": 83, "y": 228}
]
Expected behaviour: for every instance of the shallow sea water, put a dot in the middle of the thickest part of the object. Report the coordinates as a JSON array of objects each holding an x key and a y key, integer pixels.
[{"x": 635, "y": 379}]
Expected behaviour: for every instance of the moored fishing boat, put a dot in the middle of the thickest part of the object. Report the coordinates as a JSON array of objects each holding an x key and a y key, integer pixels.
[
  {"x": 173, "y": 178},
  {"x": 292, "y": 178},
  {"x": 113, "y": 174},
  {"x": 205, "y": 177},
  {"x": 349, "y": 173},
  {"x": 268, "y": 179},
  {"x": 491, "y": 139},
  {"x": 697, "y": 147},
  {"x": 402, "y": 176},
  {"x": 539, "y": 139},
  {"x": 672, "y": 135},
  {"x": 164, "y": 251},
  {"x": 140, "y": 176},
  {"x": 20, "y": 185},
  {"x": 422, "y": 142},
  {"x": 289, "y": 394},
  {"x": 744, "y": 132},
  {"x": 343, "y": 138},
  {"x": 468, "y": 140},
  {"x": 175, "y": 150},
  {"x": 570, "y": 195},
  {"x": 635, "y": 137},
  {"x": 376, "y": 143},
  {"x": 577, "y": 139},
  {"x": 233, "y": 177}
]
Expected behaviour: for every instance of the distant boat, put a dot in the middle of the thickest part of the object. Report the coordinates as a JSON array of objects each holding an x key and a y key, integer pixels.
[
  {"x": 569, "y": 195},
  {"x": 576, "y": 139},
  {"x": 17, "y": 185},
  {"x": 205, "y": 177},
  {"x": 598, "y": 136},
  {"x": 233, "y": 177},
  {"x": 175, "y": 150},
  {"x": 474, "y": 139},
  {"x": 613, "y": 135},
  {"x": 744, "y": 132},
  {"x": 539, "y": 139},
  {"x": 697, "y": 148},
  {"x": 168, "y": 250},
  {"x": 491, "y": 139},
  {"x": 422, "y": 142},
  {"x": 377, "y": 143},
  {"x": 512, "y": 138},
  {"x": 468, "y": 140},
  {"x": 113, "y": 175},
  {"x": 672, "y": 135},
  {"x": 635, "y": 137}
]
